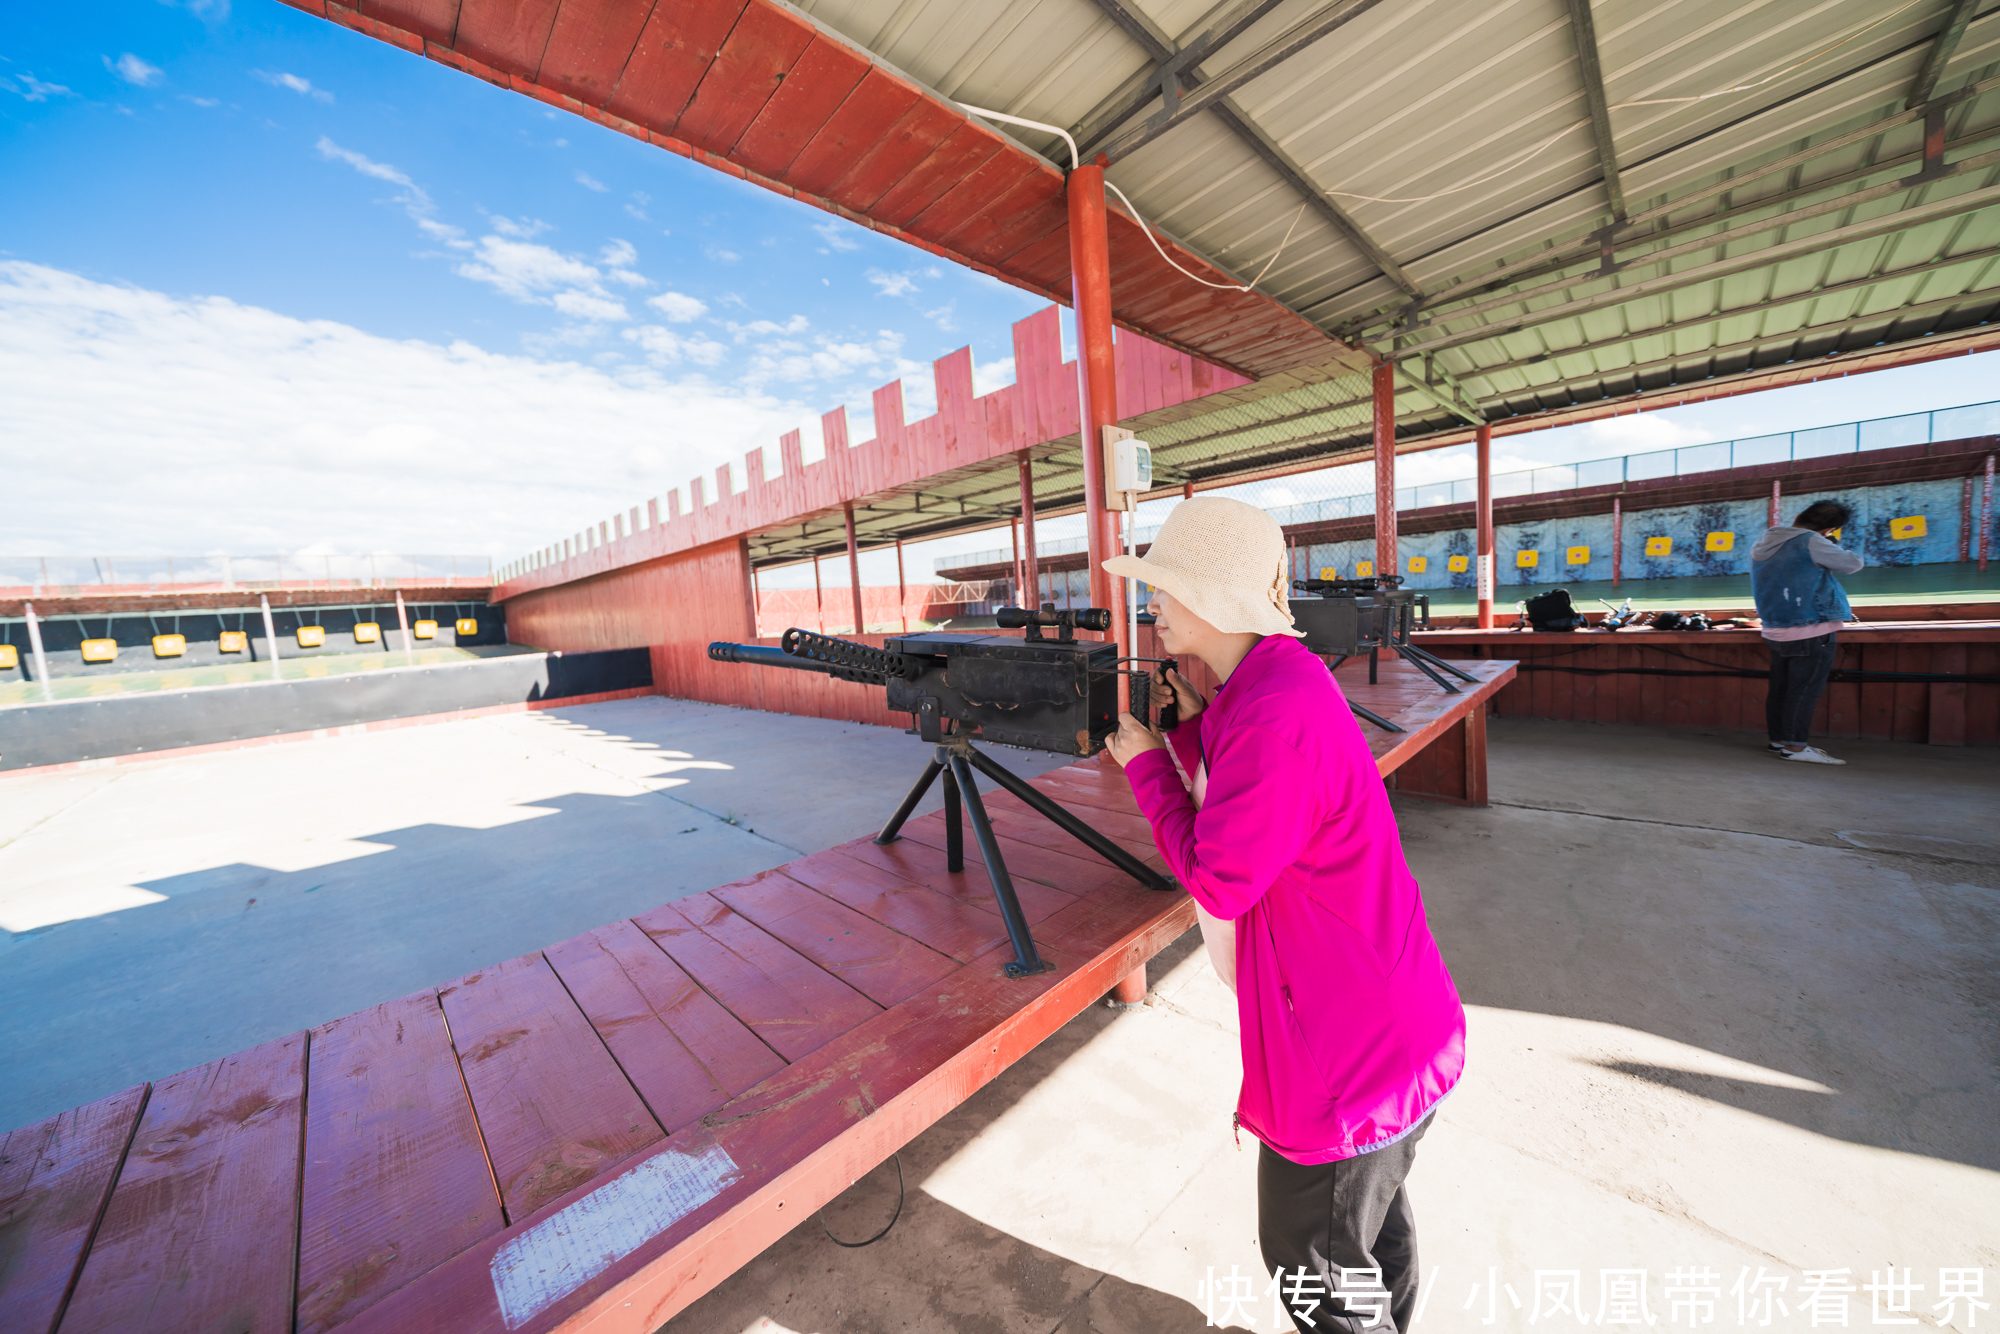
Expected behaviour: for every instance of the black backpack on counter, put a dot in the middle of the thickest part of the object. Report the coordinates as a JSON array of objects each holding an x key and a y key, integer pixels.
[{"x": 1553, "y": 611}]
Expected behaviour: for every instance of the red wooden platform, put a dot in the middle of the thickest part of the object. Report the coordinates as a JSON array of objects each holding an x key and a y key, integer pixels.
[{"x": 592, "y": 1136}]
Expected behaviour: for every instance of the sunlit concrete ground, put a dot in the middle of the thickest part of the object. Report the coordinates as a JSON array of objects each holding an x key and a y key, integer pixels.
[
  {"x": 1727, "y": 1013},
  {"x": 156, "y": 916}
]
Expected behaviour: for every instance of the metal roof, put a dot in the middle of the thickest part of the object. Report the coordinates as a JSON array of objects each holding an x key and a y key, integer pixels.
[{"x": 1536, "y": 209}]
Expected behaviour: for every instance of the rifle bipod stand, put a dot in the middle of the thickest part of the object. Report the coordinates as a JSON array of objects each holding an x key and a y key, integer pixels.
[{"x": 956, "y": 759}]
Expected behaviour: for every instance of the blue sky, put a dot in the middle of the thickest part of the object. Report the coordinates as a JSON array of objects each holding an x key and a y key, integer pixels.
[{"x": 266, "y": 284}]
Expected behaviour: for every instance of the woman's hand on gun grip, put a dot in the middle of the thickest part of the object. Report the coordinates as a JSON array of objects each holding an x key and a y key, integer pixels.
[
  {"x": 1190, "y": 700},
  {"x": 1132, "y": 739}
]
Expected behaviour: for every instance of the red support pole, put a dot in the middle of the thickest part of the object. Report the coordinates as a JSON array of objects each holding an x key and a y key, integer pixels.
[
  {"x": 1097, "y": 382},
  {"x": 1617, "y": 541},
  {"x": 1775, "y": 485},
  {"x": 1483, "y": 527},
  {"x": 1986, "y": 516},
  {"x": 902, "y": 589},
  {"x": 1031, "y": 571},
  {"x": 1385, "y": 469},
  {"x": 819, "y": 600},
  {"x": 854, "y": 570},
  {"x": 1014, "y": 531},
  {"x": 1187, "y": 491},
  {"x": 1965, "y": 523}
]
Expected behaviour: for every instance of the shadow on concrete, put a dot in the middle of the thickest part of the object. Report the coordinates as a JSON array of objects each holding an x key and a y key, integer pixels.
[{"x": 1686, "y": 885}]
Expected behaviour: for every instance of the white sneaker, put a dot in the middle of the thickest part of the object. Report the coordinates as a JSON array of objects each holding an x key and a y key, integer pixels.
[{"x": 1812, "y": 755}]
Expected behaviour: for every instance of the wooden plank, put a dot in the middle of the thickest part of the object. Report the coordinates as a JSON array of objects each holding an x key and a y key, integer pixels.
[
  {"x": 870, "y": 112},
  {"x": 1947, "y": 720},
  {"x": 588, "y": 49},
  {"x": 1982, "y": 705},
  {"x": 748, "y": 67},
  {"x": 684, "y": 1053},
  {"x": 202, "y": 1229},
  {"x": 793, "y": 1004},
  {"x": 552, "y": 1104},
  {"x": 1878, "y": 700},
  {"x": 1018, "y": 820},
  {"x": 395, "y": 1179},
  {"x": 950, "y": 162},
  {"x": 948, "y": 925},
  {"x": 915, "y": 135},
  {"x": 55, "y": 1177},
  {"x": 674, "y": 51},
  {"x": 883, "y": 965},
  {"x": 923, "y": 864},
  {"x": 507, "y": 37},
  {"x": 812, "y": 91},
  {"x": 1476, "y": 792},
  {"x": 1912, "y": 698},
  {"x": 1025, "y": 861}
]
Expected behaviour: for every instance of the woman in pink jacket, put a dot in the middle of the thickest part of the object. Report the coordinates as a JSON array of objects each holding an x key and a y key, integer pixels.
[{"x": 1352, "y": 1030}]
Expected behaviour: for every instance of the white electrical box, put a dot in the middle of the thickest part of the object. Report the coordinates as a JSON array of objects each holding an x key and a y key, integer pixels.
[{"x": 1128, "y": 468}]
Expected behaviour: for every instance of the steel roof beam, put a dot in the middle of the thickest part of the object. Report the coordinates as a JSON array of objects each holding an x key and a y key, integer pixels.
[
  {"x": 1133, "y": 95},
  {"x": 1588, "y": 65},
  {"x": 1172, "y": 65},
  {"x": 1767, "y": 256},
  {"x": 1265, "y": 59},
  {"x": 1942, "y": 46}
]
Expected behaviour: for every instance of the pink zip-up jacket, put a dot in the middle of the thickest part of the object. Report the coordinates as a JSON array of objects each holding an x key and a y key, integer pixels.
[{"x": 1352, "y": 1029}]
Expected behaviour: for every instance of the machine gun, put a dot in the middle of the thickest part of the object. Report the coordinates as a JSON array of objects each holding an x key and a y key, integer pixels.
[
  {"x": 1345, "y": 617},
  {"x": 1058, "y": 695}
]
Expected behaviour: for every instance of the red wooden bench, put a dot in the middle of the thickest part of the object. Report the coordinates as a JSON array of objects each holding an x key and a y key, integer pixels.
[{"x": 592, "y": 1136}]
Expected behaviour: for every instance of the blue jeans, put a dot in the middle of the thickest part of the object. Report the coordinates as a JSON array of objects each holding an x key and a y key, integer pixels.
[{"x": 1799, "y": 669}]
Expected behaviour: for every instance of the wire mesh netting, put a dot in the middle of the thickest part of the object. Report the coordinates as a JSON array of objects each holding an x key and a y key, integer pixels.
[{"x": 224, "y": 572}]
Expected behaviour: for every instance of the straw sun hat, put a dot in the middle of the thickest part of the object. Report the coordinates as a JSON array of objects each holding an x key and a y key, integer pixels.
[{"x": 1224, "y": 561}]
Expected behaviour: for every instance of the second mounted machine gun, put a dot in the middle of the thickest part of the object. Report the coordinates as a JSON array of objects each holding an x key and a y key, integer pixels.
[{"x": 1343, "y": 618}]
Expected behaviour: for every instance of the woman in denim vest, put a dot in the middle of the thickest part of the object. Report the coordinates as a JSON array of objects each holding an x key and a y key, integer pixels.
[{"x": 1802, "y": 606}]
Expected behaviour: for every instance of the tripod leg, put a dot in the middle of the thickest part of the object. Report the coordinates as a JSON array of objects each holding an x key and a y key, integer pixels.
[
  {"x": 1435, "y": 661},
  {"x": 1069, "y": 824},
  {"x": 1373, "y": 654},
  {"x": 1427, "y": 670},
  {"x": 893, "y": 830},
  {"x": 1026, "y": 960},
  {"x": 954, "y": 828},
  {"x": 1338, "y": 658},
  {"x": 1374, "y": 718}
]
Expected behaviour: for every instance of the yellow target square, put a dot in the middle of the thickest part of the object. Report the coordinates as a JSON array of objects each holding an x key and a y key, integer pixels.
[
  {"x": 1659, "y": 546},
  {"x": 99, "y": 650},
  {"x": 465, "y": 625},
  {"x": 1913, "y": 526},
  {"x": 312, "y": 636},
  {"x": 10, "y": 657},
  {"x": 367, "y": 632},
  {"x": 1720, "y": 542},
  {"x": 234, "y": 641},
  {"x": 170, "y": 646},
  {"x": 424, "y": 630},
  {"x": 1329, "y": 572},
  {"x": 1527, "y": 560},
  {"x": 1458, "y": 564},
  {"x": 1577, "y": 555},
  {"x": 1419, "y": 564},
  {"x": 1364, "y": 569}
]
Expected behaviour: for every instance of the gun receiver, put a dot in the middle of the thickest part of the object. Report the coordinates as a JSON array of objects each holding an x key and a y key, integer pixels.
[
  {"x": 1345, "y": 617},
  {"x": 1058, "y": 695}
]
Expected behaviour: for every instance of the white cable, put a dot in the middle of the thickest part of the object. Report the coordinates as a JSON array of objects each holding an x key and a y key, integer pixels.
[
  {"x": 1075, "y": 160},
  {"x": 1620, "y": 106}
]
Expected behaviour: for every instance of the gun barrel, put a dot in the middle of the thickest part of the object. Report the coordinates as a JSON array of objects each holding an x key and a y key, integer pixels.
[
  {"x": 762, "y": 655},
  {"x": 758, "y": 655}
]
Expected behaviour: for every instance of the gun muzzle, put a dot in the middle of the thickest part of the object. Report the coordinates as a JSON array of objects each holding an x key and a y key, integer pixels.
[{"x": 758, "y": 654}]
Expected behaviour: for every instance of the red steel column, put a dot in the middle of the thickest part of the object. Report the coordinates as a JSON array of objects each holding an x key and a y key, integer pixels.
[
  {"x": 1385, "y": 469},
  {"x": 1483, "y": 528},
  {"x": 902, "y": 589},
  {"x": 819, "y": 600},
  {"x": 1965, "y": 523},
  {"x": 1617, "y": 540},
  {"x": 854, "y": 570},
  {"x": 1986, "y": 516},
  {"x": 1034, "y": 575},
  {"x": 1775, "y": 485},
  {"x": 1097, "y": 381},
  {"x": 1014, "y": 532}
]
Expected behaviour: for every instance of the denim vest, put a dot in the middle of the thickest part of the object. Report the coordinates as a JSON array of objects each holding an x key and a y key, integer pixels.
[{"x": 1792, "y": 589}]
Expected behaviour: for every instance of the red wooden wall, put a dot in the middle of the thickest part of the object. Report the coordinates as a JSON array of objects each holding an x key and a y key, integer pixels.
[{"x": 1942, "y": 713}]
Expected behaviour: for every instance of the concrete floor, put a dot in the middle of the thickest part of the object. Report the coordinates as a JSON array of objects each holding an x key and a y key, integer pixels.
[
  {"x": 156, "y": 916},
  {"x": 1725, "y": 1012}
]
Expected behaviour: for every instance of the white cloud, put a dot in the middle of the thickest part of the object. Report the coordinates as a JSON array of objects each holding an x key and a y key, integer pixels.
[
  {"x": 721, "y": 256},
  {"x": 837, "y": 234},
  {"x": 303, "y": 87},
  {"x": 991, "y": 376},
  {"x": 589, "y": 182},
  {"x": 664, "y": 347},
  {"x": 620, "y": 254},
  {"x": 590, "y": 306},
  {"x": 524, "y": 270},
  {"x": 206, "y": 101},
  {"x": 31, "y": 89},
  {"x": 678, "y": 307},
  {"x": 134, "y": 70},
  {"x": 892, "y": 284},
  {"x": 415, "y": 201},
  {"x": 942, "y": 317},
  {"x": 526, "y": 230},
  {"x": 757, "y": 328},
  {"x": 139, "y": 422}
]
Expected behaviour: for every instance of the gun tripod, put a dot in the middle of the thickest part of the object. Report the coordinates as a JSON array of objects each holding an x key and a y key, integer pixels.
[
  {"x": 1423, "y": 661},
  {"x": 955, "y": 760}
]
